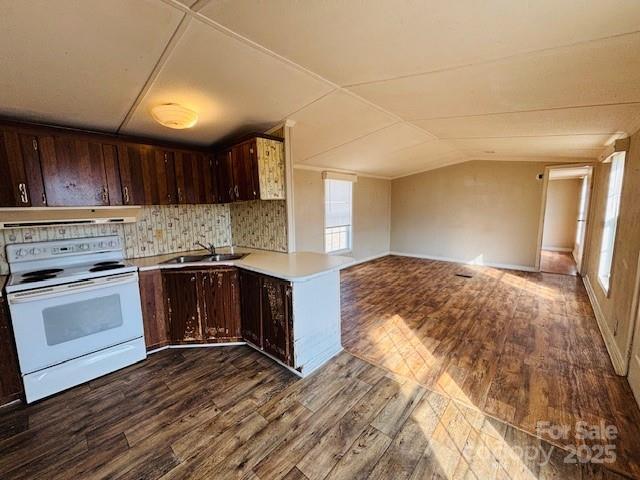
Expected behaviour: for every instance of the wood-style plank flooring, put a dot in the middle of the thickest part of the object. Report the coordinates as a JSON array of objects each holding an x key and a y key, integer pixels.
[
  {"x": 231, "y": 413},
  {"x": 521, "y": 347},
  {"x": 558, "y": 262}
]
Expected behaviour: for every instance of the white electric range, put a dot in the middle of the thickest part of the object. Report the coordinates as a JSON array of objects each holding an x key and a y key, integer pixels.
[{"x": 75, "y": 310}]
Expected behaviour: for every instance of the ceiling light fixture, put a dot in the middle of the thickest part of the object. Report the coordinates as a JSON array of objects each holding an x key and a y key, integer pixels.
[{"x": 175, "y": 116}]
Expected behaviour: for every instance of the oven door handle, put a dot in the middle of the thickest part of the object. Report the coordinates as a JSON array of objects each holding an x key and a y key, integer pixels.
[{"x": 72, "y": 288}]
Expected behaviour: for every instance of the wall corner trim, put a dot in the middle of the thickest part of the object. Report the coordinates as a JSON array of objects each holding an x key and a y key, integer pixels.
[{"x": 617, "y": 359}]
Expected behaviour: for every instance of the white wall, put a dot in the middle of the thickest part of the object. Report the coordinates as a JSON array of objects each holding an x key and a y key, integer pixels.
[
  {"x": 478, "y": 211},
  {"x": 371, "y": 214},
  {"x": 561, "y": 214}
]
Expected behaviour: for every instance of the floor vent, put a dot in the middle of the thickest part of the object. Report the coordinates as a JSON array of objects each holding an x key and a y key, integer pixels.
[{"x": 464, "y": 275}]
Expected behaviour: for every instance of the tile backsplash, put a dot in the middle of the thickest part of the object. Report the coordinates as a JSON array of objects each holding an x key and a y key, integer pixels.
[
  {"x": 260, "y": 224},
  {"x": 176, "y": 228}
]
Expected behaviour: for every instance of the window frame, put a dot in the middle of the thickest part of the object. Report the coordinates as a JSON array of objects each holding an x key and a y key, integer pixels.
[
  {"x": 606, "y": 286},
  {"x": 349, "y": 248}
]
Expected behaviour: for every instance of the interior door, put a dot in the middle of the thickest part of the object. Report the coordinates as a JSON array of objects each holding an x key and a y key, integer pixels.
[
  {"x": 583, "y": 212},
  {"x": 73, "y": 171}
]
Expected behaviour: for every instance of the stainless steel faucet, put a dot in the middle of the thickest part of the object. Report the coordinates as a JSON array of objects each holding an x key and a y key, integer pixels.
[{"x": 211, "y": 247}]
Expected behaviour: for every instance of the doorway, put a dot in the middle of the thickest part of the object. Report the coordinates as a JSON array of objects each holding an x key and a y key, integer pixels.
[{"x": 565, "y": 210}]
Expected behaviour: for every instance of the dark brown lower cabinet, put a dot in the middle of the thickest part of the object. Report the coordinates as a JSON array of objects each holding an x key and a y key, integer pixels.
[
  {"x": 203, "y": 306},
  {"x": 183, "y": 307},
  {"x": 220, "y": 305},
  {"x": 152, "y": 298},
  {"x": 267, "y": 319},
  {"x": 10, "y": 381},
  {"x": 251, "y": 294}
]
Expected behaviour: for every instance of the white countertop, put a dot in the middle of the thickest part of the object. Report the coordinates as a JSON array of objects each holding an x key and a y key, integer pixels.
[{"x": 294, "y": 267}]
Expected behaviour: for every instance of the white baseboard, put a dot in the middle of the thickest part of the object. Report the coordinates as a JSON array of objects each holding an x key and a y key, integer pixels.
[
  {"x": 196, "y": 345},
  {"x": 557, "y": 249},
  {"x": 617, "y": 359},
  {"x": 368, "y": 259},
  {"x": 525, "y": 268}
]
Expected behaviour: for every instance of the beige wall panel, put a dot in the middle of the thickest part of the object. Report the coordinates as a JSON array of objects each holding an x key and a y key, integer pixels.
[
  {"x": 561, "y": 214},
  {"x": 476, "y": 211},
  {"x": 371, "y": 214},
  {"x": 616, "y": 308}
]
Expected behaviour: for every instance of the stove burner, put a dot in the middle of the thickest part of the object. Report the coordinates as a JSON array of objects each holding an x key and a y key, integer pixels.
[
  {"x": 37, "y": 279},
  {"x": 110, "y": 262},
  {"x": 101, "y": 268},
  {"x": 38, "y": 273}
]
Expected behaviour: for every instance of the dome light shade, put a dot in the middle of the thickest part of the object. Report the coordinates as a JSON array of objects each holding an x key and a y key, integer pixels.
[{"x": 175, "y": 116}]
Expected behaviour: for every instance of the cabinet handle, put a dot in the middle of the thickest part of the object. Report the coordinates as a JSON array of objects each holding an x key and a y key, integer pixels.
[
  {"x": 169, "y": 197},
  {"x": 105, "y": 195},
  {"x": 44, "y": 198},
  {"x": 126, "y": 194},
  {"x": 24, "y": 197},
  {"x": 179, "y": 194},
  {"x": 231, "y": 193},
  {"x": 236, "y": 190},
  {"x": 193, "y": 279}
]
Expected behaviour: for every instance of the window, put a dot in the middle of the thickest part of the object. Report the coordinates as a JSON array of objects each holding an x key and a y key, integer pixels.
[
  {"x": 337, "y": 215},
  {"x": 611, "y": 219}
]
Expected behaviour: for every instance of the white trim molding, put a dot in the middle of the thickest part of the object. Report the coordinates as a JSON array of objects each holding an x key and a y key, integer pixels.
[
  {"x": 369, "y": 258},
  {"x": 617, "y": 359},
  {"x": 507, "y": 266},
  {"x": 557, "y": 249}
]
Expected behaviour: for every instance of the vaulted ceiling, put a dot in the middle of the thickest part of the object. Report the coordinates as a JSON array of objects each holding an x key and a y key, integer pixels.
[{"x": 384, "y": 87}]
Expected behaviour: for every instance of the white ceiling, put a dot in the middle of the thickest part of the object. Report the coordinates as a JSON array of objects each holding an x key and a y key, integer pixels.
[{"x": 384, "y": 87}]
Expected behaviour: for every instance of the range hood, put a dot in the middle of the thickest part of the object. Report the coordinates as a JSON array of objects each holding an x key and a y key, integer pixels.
[{"x": 25, "y": 217}]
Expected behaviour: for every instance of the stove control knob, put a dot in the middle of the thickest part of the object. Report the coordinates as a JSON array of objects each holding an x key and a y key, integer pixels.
[
  {"x": 21, "y": 252},
  {"x": 35, "y": 251},
  {"x": 102, "y": 245},
  {"x": 112, "y": 244}
]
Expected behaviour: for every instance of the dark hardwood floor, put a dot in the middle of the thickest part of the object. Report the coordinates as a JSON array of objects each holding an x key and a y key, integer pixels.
[
  {"x": 224, "y": 413},
  {"x": 460, "y": 369},
  {"x": 558, "y": 262},
  {"x": 521, "y": 347}
]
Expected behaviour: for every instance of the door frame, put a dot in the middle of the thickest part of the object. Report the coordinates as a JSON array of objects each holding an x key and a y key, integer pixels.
[{"x": 543, "y": 209}]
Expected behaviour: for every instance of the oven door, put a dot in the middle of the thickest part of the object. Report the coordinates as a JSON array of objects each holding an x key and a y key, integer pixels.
[{"x": 55, "y": 324}]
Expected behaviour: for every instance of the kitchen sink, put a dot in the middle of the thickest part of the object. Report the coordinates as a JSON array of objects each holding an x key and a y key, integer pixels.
[{"x": 219, "y": 257}]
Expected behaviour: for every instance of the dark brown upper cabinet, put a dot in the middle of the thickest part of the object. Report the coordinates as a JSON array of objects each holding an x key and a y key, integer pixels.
[
  {"x": 245, "y": 172},
  {"x": 194, "y": 178},
  {"x": 224, "y": 176},
  {"x": 147, "y": 174},
  {"x": 75, "y": 172},
  {"x": 251, "y": 170},
  {"x": 20, "y": 175}
]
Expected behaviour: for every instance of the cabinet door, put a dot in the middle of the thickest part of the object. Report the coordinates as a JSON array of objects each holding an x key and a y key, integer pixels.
[
  {"x": 156, "y": 329},
  {"x": 277, "y": 325},
  {"x": 220, "y": 305},
  {"x": 10, "y": 381},
  {"x": 131, "y": 160},
  {"x": 245, "y": 172},
  {"x": 224, "y": 176},
  {"x": 20, "y": 174},
  {"x": 251, "y": 306},
  {"x": 147, "y": 174},
  {"x": 73, "y": 171},
  {"x": 162, "y": 177},
  {"x": 194, "y": 178},
  {"x": 183, "y": 309}
]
